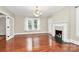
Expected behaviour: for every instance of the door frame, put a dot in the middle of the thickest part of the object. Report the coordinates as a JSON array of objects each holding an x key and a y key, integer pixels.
[
  {"x": 7, "y": 38},
  {"x": 6, "y": 14}
]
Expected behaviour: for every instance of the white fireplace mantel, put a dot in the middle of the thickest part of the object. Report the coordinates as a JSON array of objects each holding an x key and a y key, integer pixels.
[
  {"x": 62, "y": 27},
  {"x": 59, "y": 25}
]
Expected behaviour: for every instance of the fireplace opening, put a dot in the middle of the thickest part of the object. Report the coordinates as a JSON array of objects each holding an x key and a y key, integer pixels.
[{"x": 58, "y": 36}]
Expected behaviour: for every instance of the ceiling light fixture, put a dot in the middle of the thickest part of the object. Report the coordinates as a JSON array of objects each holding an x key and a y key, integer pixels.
[{"x": 37, "y": 12}]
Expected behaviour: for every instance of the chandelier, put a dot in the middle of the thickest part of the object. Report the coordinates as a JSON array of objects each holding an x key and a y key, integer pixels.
[{"x": 37, "y": 12}]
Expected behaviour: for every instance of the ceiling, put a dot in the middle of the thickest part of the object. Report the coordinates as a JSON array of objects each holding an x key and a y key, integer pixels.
[{"x": 28, "y": 10}]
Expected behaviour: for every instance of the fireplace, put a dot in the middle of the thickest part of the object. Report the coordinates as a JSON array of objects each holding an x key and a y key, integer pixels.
[
  {"x": 62, "y": 29},
  {"x": 58, "y": 36}
]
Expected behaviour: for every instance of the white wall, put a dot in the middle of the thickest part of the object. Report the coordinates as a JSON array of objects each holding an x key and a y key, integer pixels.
[
  {"x": 2, "y": 25},
  {"x": 19, "y": 25}
]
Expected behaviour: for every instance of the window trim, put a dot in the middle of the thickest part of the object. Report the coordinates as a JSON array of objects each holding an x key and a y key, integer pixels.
[{"x": 32, "y": 19}]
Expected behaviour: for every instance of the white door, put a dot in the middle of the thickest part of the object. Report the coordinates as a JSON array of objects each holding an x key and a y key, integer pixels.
[{"x": 9, "y": 27}]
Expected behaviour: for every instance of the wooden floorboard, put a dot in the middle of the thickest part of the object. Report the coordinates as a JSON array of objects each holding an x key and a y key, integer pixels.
[
  {"x": 2, "y": 43},
  {"x": 19, "y": 44}
]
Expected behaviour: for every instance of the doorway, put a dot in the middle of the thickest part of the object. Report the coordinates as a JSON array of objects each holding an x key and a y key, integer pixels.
[
  {"x": 6, "y": 26},
  {"x": 6, "y": 30},
  {"x": 2, "y": 32}
]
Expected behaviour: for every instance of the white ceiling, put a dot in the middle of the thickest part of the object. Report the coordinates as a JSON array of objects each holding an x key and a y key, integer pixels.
[{"x": 28, "y": 10}]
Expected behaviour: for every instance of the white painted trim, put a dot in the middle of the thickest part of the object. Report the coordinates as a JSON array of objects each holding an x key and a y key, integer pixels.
[
  {"x": 64, "y": 34},
  {"x": 13, "y": 22},
  {"x": 77, "y": 22},
  {"x": 26, "y": 28},
  {"x": 75, "y": 42},
  {"x": 29, "y": 33},
  {"x": 72, "y": 41},
  {"x": 8, "y": 30}
]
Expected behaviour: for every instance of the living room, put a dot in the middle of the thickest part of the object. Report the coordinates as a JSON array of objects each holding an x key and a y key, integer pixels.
[{"x": 44, "y": 31}]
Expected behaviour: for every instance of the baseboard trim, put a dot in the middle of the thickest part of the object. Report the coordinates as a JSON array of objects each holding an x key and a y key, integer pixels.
[
  {"x": 73, "y": 41},
  {"x": 29, "y": 33}
]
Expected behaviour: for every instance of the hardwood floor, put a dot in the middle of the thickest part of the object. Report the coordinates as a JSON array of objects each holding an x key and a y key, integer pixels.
[
  {"x": 2, "y": 43},
  {"x": 40, "y": 43}
]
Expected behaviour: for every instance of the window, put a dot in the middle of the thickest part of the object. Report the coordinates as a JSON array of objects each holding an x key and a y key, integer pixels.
[
  {"x": 32, "y": 24},
  {"x": 29, "y": 24}
]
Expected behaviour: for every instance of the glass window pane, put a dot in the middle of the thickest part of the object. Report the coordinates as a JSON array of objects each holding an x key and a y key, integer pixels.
[
  {"x": 29, "y": 24},
  {"x": 35, "y": 24}
]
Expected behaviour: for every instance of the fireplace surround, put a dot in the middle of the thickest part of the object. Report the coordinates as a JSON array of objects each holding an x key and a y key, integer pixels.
[{"x": 60, "y": 29}]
